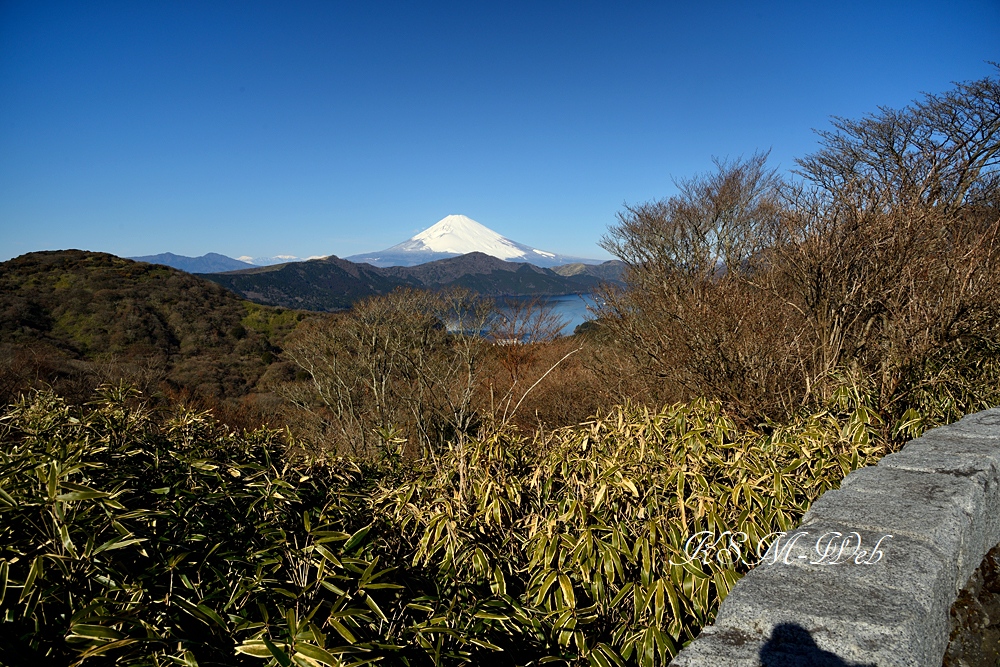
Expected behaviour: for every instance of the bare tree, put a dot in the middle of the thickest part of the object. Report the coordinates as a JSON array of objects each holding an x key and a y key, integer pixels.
[
  {"x": 392, "y": 370},
  {"x": 518, "y": 329},
  {"x": 883, "y": 263},
  {"x": 889, "y": 250},
  {"x": 931, "y": 154},
  {"x": 689, "y": 311},
  {"x": 519, "y": 332}
]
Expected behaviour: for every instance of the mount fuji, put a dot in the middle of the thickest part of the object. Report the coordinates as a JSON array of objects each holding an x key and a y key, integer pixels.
[{"x": 457, "y": 235}]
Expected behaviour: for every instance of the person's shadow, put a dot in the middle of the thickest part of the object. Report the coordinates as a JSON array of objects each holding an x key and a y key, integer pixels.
[{"x": 791, "y": 645}]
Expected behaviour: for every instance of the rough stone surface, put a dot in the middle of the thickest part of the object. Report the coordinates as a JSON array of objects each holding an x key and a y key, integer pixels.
[
  {"x": 979, "y": 425},
  {"x": 828, "y": 597},
  {"x": 946, "y": 512},
  {"x": 724, "y": 647},
  {"x": 975, "y": 618},
  {"x": 909, "y": 566},
  {"x": 846, "y": 619},
  {"x": 788, "y": 645},
  {"x": 977, "y": 461}
]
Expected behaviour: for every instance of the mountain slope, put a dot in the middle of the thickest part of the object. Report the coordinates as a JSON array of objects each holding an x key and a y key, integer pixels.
[
  {"x": 488, "y": 275},
  {"x": 318, "y": 284},
  {"x": 611, "y": 270},
  {"x": 76, "y": 314},
  {"x": 212, "y": 262},
  {"x": 456, "y": 235},
  {"x": 334, "y": 283},
  {"x": 444, "y": 271},
  {"x": 271, "y": 261}
]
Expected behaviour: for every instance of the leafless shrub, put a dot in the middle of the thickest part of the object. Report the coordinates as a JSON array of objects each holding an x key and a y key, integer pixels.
[
  {"x": 691, "y": 312},
  {"x": 882, "y": 263},
  {"x": 517, "y": 329},
  {"x": 389, "y": 371}
]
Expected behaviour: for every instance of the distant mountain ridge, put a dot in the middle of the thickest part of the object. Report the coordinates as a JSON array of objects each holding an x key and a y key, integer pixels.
[
  {"x": 277, "y": 259},
  {"x": 456, "y": 235},
  {"x": 334, "y": 283},
  {"x": 211, "y": 262},
  {"x": 606, "y": 271},
  {"x": 450, "y": 237}
]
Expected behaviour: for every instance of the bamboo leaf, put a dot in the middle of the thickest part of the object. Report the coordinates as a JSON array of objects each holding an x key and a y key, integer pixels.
[
  {"x": 95, "y": 631},
  {"x": 342, "y": 630},
  {"x": 567, "y": 591},
  {"x": 357, "y": 538},
  {"x": 374, "y": 607},
  {"x": 53, "y": 480},
  {"x": 328, "y": 555},
  {"x": 210, "y": 613},
  {"x": 118, "y": 544},
  {"x": 318, "y": 654},
  {"x": 499, "y": 584},
  {"x": 547, "y": 582},
  {"x": 33, "y": 574},
  {"x": 255, "y": 648},
  {"x": 277, "y": 653}
]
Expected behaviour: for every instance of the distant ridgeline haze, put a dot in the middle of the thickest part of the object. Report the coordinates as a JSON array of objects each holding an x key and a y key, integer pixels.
[
  {"x": 454, "y": 252},
  {"x": 213, "y": 262},
  {"x": 450, "y": 237},
  {"x": 334, "y": 283}
]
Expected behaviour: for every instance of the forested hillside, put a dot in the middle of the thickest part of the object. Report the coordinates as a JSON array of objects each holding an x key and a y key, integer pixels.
[
  {"x": 77, "y": 318},
  {"x": 334, "y": 284}
]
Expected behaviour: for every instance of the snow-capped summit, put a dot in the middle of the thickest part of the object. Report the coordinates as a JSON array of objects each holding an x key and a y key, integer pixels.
[{"x": 459, "y": 235}]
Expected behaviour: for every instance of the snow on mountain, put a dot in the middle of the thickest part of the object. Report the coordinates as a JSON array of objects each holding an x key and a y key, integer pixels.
[{"x": 459, "y": 235}]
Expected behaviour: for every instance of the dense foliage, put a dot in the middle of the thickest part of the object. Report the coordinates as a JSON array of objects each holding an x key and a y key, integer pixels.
[
  {"x": 157, "y": 538},
  {"x": 138, "y": 536}
]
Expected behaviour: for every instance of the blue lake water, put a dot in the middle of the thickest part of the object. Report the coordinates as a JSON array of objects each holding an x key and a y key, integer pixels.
[{"x": 572, "y": 308}]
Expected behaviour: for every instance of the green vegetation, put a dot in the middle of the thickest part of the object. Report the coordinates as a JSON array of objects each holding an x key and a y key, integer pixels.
[
  {"x": 442, "y": 498},
  {"x": 273, "y": 323},
  {"x": 75, "y": 319},
  {"x": 137, "y": 537}
]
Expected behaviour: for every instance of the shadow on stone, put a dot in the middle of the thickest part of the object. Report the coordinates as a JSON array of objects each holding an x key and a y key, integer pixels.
[{"x": 791, "y": 645}]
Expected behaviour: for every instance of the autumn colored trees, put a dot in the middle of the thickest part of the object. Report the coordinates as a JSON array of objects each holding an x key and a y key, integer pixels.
[{"x": 880, "y": 262}]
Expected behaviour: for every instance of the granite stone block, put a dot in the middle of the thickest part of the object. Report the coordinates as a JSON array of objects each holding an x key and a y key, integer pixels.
[
  {"x": 853, "y": 621},
  {"x": 823, "y": 598},
  {"x": 832, "y": 553}
]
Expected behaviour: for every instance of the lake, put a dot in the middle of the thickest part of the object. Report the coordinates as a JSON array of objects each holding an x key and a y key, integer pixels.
[{"x": 572, "y": 308}]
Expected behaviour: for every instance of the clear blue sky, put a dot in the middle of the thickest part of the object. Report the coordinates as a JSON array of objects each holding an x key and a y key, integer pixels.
[{"x": 340, "y": 127}]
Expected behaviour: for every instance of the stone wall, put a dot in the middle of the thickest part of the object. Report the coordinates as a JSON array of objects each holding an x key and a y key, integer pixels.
[
  {"x": 975, "y": 618},
  {"x": 925, "y": 518}
]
